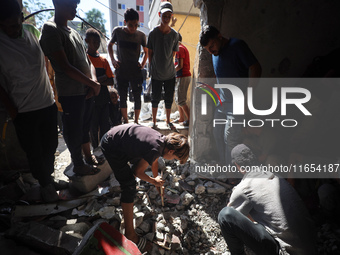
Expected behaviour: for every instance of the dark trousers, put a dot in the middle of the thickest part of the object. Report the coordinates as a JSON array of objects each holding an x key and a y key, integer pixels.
[
  {"x": 238, "y": 231},
  {"x": 169, "y": 89},
  {"x": 38, "y": 136},
  {"x": 136, "y": 88},
  {"x": 73, "y": 117},
  {"x": 122, "y": 171},
  {"x": 100, "y": 122},
  {"x": 88, "y": 118}
]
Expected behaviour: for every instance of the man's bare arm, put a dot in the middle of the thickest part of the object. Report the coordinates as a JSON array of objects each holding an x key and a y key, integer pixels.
[
  {"x": 114, "y": 62},
  {"x": 74, "y": 73}
]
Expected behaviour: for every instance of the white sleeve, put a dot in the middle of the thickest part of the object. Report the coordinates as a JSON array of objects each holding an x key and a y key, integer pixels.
[{"x": 240, "y": 202}]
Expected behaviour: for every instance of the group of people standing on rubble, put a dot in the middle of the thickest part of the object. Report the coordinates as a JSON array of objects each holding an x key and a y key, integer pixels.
[{"x": 81, "y": 79}]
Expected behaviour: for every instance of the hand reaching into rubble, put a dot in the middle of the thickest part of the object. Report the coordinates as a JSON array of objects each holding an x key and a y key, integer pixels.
[
  {"x": 158, "y": 181},
  {"x": 140, "y": 173}
]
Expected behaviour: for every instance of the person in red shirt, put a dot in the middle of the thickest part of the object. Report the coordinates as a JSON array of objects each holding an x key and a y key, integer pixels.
[{"x": 183, "y": 77}]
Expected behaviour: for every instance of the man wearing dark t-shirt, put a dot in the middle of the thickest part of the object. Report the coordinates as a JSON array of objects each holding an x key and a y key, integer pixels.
[{"x": 141, "y": 146}]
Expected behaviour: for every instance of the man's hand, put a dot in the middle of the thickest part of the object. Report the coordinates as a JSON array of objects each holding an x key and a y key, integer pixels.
[
  {"x": 90, "y": 93},
  {"x": 116, "y": 64},
  {"x": 96, "y": 87},
  {"x": 158, "y": 182},
  {"x": 159, "y": 190}
]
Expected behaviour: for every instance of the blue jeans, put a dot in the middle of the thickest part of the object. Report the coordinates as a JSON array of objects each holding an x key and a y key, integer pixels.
[
  {"x": 226, "y": 136},
  {"x": 238, "y": 231}
]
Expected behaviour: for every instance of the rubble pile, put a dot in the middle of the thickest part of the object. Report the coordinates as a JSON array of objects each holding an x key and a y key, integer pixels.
[{"x": 186, "y": 224}]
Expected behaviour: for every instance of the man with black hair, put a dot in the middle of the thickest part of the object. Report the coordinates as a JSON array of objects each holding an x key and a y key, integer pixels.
[
  {"x": 75, "y": 79},
  {"x": 128, "y": 69},
  {"x": 281, "y": 222},
  {"x": 163, "y": 45},
  {"x": 26, "y": 93},
  {"x": 231, "y": 58}
]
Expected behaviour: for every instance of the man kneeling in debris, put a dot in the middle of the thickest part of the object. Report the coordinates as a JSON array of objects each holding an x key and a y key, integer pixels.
[
  {"x": 141, "y": 146},
  {"x": 277, "y": 223}
]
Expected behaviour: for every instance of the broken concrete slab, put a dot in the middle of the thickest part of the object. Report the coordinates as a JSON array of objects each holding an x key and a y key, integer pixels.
[
  {"x": 43, "y": 238},
  {"x": 22, "y": 211},
  {"x": 88, "y": 183}
]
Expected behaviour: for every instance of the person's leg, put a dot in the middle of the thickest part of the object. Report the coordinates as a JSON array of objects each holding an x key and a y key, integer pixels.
[
  {"x": 126, "y": 179},
  {"x": 186, "y": 111},
  {"x": 130, "y": 232},
  {"x": 104, "y": 124},
  {"x": 136, "y": 87},
  {"x": 180, "y": 110},
  {"x": 182, "y": 90},
  {"x": 73, "y": 111},
  {"x": 155, "y": 97},
  {"x": 181, "y": 114},
  {"x": 238, "y": 231},
  {"x": 87, "y": 120},
  {"x": 123, "y": 87},
  {"x": 95, "y": 125},
  {"x": 27, "y": 127},
  {"x": 48, "y": 140},
  {"x": 169, "y": 89},
  {"x": 38, "y": 136}
]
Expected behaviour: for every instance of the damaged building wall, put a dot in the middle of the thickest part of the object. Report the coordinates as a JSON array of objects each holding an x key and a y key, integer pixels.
[{"x": 285, "y": 36}]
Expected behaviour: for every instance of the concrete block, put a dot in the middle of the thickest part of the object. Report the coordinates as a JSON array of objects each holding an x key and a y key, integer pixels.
[
  {"x": 44, "y": 239},
  {"x": 88, "y": 183}
]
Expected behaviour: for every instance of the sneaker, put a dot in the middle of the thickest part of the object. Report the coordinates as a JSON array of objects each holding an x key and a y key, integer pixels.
[{"x": 49, "y": 194}]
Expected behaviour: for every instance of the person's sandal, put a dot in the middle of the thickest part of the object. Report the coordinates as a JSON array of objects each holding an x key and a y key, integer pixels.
[
  {"x": 172, "y": 127},
  {"x": 141, "y": 243},
  {"x": 155, "y": 126},
  {"x": 185, "y": 123},
  {"x": 95, "y": 161}
]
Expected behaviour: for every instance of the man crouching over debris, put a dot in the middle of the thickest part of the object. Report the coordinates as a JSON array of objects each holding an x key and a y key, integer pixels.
[
  {"x": 281, "y": 221},
  {"x": 142, "y": 146}
]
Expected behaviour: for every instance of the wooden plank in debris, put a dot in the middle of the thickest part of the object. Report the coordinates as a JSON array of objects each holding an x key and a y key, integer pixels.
[{"x": 46, "y": 209}]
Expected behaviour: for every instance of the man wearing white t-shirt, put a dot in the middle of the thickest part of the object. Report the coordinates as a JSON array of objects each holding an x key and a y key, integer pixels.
[
  {"x": 26, "y": 93},
  {"x": 265, "y": 213}
]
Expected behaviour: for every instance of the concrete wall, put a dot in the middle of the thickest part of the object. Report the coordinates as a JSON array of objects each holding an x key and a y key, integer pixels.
[{"x": 284, "y": 35}]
